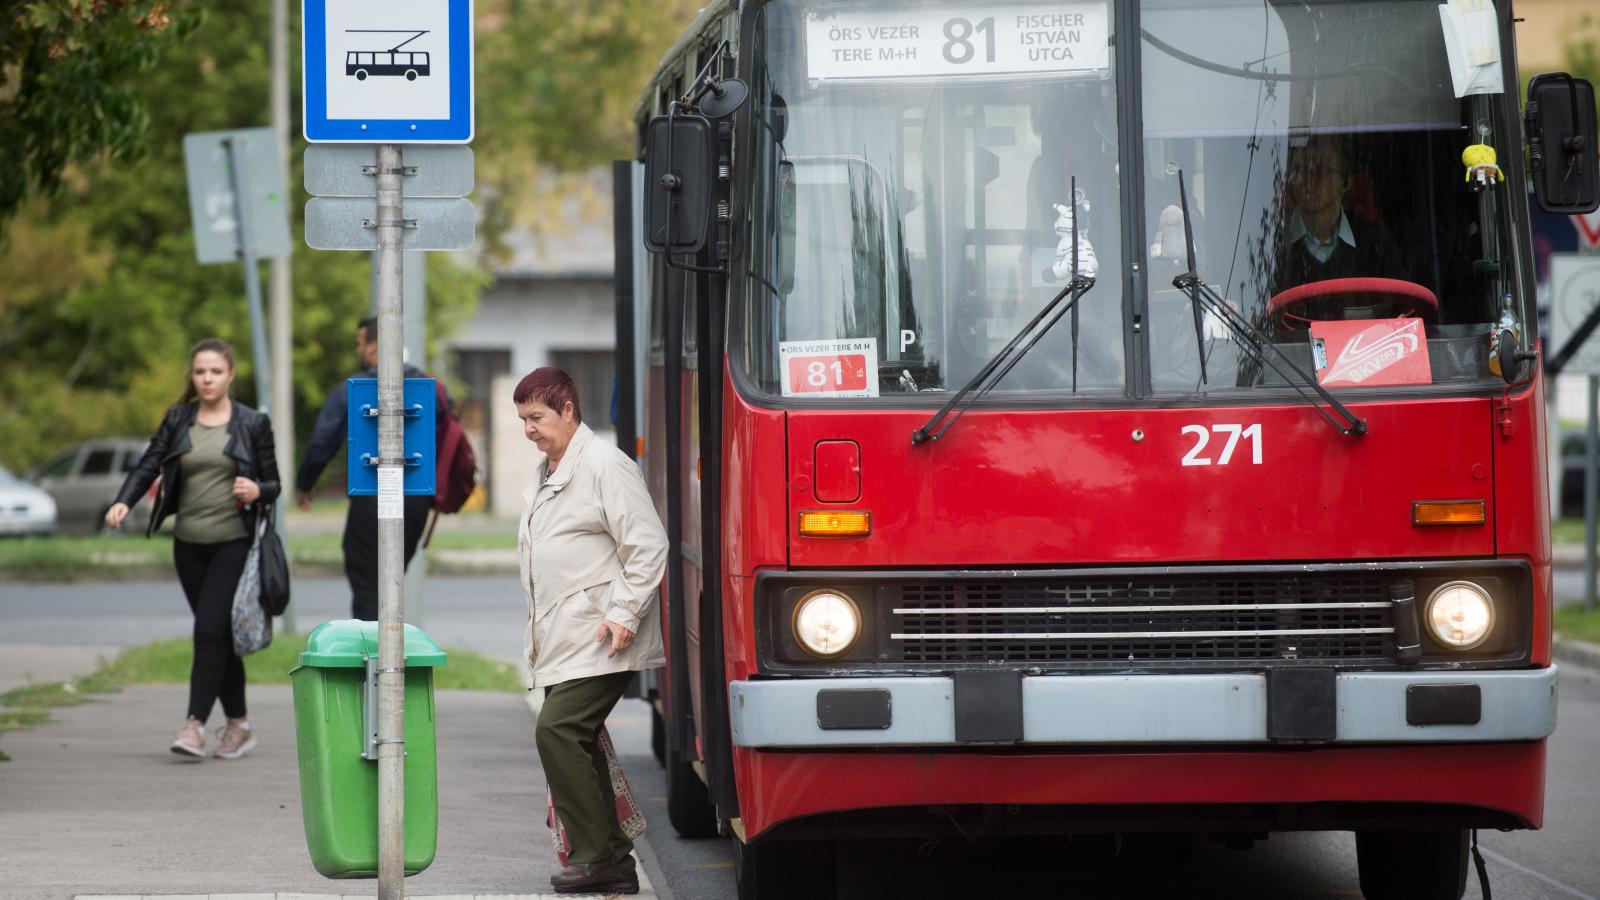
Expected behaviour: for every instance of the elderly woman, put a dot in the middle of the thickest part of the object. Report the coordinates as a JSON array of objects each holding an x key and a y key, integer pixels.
[{"x": 592, "y": 553}]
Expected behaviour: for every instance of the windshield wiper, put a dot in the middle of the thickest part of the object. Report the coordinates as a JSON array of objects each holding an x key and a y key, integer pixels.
[
  {"x": 1001, "y": 363},
  {"x": 1251, "y": 339}
]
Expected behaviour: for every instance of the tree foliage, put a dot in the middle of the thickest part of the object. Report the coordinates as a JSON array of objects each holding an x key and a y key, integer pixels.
[
  {"x": 102, "y": 296},
  {"x": 557, "y": 83},
  {"x": 68, "y": 84}
]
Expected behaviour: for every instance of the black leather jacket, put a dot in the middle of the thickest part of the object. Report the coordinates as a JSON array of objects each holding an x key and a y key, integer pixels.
[{"x": 249, "y": 443}]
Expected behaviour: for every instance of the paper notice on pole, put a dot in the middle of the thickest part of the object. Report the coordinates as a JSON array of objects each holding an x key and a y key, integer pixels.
[{"x": 391, "y": 497}]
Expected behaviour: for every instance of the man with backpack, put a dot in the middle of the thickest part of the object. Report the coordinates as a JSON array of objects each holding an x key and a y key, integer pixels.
[{"x": 456, "y": 477}]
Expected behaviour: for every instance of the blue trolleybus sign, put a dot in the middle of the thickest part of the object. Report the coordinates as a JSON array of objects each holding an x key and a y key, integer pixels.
[{"x": 396, "y": 71}]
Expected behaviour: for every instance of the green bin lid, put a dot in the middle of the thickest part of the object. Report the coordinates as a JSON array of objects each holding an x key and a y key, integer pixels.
[{"x": 348, "y": 643}]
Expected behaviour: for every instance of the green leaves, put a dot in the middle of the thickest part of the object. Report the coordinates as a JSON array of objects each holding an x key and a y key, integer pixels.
[
  {"x": 100, "y": 294},
  {"x": 69, "y": 89}
]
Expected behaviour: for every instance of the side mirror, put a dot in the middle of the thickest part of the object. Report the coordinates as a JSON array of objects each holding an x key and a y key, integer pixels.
[
  {"x": 1560, "y": 125},
  {"x": 677, "y": 184}
]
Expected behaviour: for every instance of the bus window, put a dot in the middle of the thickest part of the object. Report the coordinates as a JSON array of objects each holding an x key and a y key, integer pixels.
[
  {"x": 1319, "y": 144},
  {"x": 917, "y": 216}
]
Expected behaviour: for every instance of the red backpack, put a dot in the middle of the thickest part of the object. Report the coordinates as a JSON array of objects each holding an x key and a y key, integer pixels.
[{"x": 457, "y": 473}]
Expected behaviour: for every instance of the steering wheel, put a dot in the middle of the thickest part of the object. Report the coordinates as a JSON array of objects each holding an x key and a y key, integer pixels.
[{"x": 1289, "y": 307}]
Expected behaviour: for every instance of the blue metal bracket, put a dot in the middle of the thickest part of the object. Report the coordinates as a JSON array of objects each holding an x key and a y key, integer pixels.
[{"x": 418, "y": 457}]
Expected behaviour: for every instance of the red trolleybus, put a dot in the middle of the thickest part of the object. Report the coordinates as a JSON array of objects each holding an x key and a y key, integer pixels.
[{"x": 1106, "y": 416}]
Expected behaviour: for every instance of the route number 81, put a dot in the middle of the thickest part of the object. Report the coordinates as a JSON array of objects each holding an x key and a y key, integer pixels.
[
  {"x": 1235, "y": 433},
  {"x": 958, "y": 49}
]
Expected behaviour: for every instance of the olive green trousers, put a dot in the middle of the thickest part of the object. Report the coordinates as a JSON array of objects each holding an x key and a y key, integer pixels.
[{"x": 567, "y": 736}]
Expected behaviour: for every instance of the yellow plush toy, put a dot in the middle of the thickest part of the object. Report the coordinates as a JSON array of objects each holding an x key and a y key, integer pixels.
[{"x": 1481, "y": 168}]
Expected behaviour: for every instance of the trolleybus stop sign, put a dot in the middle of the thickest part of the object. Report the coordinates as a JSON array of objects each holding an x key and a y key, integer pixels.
[{"x": 397, "y": 71}]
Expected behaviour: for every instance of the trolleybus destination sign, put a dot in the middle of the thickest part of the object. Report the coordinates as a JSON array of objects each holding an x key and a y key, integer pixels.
[
  {"x": 396, "y": 71},
  {"x": 953, "y": 40}
]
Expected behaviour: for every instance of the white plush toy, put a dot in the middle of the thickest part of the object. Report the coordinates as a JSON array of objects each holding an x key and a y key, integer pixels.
[{"x": 1087, "y": 266}]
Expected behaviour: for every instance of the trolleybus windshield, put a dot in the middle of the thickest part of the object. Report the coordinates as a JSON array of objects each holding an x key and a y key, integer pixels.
[{"x": 907, "y": 197}]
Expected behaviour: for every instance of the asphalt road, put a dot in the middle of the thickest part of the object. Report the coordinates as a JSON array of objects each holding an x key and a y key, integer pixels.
[{"x": 484, "y": 614}]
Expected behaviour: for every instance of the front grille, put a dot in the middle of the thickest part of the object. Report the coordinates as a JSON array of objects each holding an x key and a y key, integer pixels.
[{"x": 1141, "y": 620}]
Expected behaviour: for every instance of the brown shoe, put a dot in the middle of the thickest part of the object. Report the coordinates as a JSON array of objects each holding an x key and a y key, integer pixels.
[{"x": 605, "y": 877}]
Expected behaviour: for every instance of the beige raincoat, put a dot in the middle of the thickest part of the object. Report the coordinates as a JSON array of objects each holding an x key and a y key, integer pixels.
[{"x": 591, "y": 548}]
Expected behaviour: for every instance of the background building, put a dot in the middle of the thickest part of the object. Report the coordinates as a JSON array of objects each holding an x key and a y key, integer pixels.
[{"x": 551, "y": 305}]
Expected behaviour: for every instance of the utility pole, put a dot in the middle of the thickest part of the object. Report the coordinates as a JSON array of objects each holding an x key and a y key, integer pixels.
[
  {"x": 280, "y": 286},
  {"x": 252, "y": 276},
  {"x": 369, "y": 110},
  {"x": 391, "y": 528}
]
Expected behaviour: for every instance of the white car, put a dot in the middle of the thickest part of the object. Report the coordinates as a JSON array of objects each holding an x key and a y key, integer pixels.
[{"x": 24, "y": 509}]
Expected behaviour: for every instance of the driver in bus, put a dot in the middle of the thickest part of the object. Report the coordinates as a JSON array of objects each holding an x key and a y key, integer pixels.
[{"x": 1322, "y": 239}]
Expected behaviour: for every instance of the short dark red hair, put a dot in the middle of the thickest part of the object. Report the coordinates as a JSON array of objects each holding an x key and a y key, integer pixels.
[{"x": 550, "y": 386}]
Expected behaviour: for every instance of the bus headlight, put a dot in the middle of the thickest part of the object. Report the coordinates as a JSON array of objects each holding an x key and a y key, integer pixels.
[
  {"x": 1459, "y": 615},
  {"x": 826, "y": 623}
]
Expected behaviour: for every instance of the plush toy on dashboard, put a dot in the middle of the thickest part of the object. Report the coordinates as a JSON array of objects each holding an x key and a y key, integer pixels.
[
  {"x": 1087, "y": 266},
  {"x": 1481, "y": 168}
]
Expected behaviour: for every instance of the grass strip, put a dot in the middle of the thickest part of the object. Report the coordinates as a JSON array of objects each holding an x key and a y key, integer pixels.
[
  {"x": 168, "y": 662},
  {"x": 72, "y": 558},
  {"x": 41, "y": 696},
  {"x": 1574, "y": 621},
  {"x": 13, "y": 719}
]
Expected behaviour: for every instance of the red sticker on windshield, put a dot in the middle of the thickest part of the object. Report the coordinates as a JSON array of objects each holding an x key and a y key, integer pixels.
[
  {"x": 1371, "y": 353},
  {"x": 846, "y": 368}
]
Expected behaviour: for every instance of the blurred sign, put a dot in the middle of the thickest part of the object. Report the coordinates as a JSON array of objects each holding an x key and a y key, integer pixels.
[
  {"x": 399, "y": 71},
  {"x": 213, "y": 208},
  {"x": 1574, "y": 293},
  {"x": 350, "y": 223},
  {"x": 1588, "y": 228},
  {"x": 350, "y": 170}
]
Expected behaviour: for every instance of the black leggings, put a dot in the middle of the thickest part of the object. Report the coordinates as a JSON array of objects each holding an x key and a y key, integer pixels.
[
  {"x": 209, "y": 574},
  {"x": 361, "y": 548}
]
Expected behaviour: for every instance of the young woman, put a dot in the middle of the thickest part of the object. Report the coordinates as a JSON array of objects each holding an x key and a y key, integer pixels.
[{"x": 215, "y": 460}]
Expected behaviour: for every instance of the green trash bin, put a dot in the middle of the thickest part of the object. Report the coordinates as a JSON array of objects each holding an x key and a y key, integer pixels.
[{"x": 333, "y": 720}]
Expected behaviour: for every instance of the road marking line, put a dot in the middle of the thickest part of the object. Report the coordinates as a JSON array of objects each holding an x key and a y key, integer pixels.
[{"x": 1506, "y": 860}]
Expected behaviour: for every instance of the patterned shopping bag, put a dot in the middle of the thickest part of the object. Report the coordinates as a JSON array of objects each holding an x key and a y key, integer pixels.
[{"x": 628, "y": 811}]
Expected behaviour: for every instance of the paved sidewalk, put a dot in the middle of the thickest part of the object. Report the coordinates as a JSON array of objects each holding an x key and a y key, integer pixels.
[{"x": 93, "y": 804}]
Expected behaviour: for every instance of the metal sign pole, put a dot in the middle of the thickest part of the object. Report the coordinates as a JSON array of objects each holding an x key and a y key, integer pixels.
[
  {"x": 252, "y": 277},
  {"x": 391, "y": 529},
  {"x": 258, "y": 328},
  {"x": 1591, "y": 492}
]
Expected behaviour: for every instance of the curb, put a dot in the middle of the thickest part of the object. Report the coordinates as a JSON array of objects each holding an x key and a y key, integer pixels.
[{"x": 1576, "y": 652}]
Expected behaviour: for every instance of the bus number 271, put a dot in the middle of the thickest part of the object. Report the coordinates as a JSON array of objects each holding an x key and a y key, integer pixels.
[{"x": 1235, "y": 433}]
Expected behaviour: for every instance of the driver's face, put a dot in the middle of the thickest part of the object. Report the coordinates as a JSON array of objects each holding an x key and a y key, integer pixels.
[{"x": 1317, "y": 174}]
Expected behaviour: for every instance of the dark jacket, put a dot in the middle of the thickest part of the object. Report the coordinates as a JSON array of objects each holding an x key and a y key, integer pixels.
[
  {"x": 249, "y": 443},
  {"x": 1375, "y": 255}
]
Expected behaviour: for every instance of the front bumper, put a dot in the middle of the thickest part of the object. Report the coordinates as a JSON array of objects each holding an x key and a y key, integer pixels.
[{"x": 1232, "y": 708}]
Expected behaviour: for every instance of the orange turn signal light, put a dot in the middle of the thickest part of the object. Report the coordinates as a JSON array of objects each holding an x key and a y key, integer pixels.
[
  {"x": 1448, "y": 512},
  {"x": 836, "y": 523}
]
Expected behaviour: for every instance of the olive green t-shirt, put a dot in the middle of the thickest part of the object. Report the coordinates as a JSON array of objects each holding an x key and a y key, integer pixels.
[{"x": 207, "y": 510}]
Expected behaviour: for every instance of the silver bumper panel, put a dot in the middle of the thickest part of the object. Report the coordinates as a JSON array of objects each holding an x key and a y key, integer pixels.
[{"x": 1517, "y": 705}]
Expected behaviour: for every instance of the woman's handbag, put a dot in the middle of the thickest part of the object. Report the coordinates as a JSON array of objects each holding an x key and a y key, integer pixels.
[
  {"x": 628, "y": 812},
  {"x": 252, "y": 627},
  {"x": 274, "y": 566}
]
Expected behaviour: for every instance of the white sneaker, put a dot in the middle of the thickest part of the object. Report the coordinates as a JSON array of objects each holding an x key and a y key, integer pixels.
[
  {"x": 237, "y": 739},
  {"x": 191, "y": 740}
]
